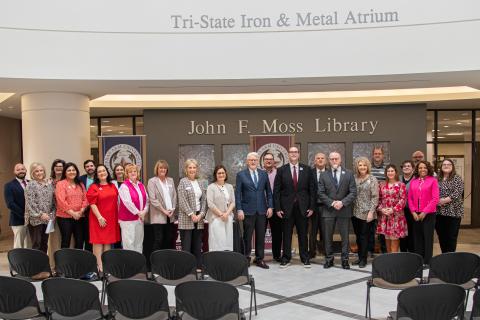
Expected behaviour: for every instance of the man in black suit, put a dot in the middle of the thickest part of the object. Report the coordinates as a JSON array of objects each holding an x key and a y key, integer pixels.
[
  {"x": 294, "y": 200},
  {"x": 87, "y": 180},
  {"x": 320, "y": 163},
  {"x": 337, "y": 191},
  {"x": 14, "y": 193}
]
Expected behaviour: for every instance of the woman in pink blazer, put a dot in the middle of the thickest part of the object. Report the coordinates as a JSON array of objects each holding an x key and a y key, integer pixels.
[{"x": 423, "y": 198}]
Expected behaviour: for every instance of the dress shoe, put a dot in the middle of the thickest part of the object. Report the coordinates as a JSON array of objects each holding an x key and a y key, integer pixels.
[
  {"x": 306, "y": 264},
  {"x": 328, "y": 264},
  {"x": 284, "y": 264},
  {"x": 345, "y": 265},
  {"x": 249, "y": 259},
  {"x": 262, "y": 264},
  {"x": 362, "y": 264},
  {"x": 356, "y": 262},
  {"x": 278, "y": 259}
]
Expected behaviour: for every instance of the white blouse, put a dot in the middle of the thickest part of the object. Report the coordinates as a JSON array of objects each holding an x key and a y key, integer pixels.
[{"x": 198, "y": 194}]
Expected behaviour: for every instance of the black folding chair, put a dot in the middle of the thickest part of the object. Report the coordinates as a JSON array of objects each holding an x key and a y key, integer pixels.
[
  {"x": 232, "y": 268},
  {"x": 122, "y": 264},
  {"x": 137, "y": 299},
  {"x": 75, "y": 263},
  {"x": 456, "y": 268},
  {"x": 430, "y": 302},
  {"x": 172, "y": 267},
  {"x": 18, "y": 299},
  {"x": 29, "y": 264},
  {"x": 206, "y": 300},
  {"x": 474, "y": 314},
  {"x": 71, "y": 299},
  {"x": 394, "y": 271}
]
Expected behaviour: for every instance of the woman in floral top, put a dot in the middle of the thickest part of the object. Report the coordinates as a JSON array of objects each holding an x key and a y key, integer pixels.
[
  {"x": 392, "y": 222},
  {"x": 450, "y": 206},
  {"x": 39, "y": 206}
]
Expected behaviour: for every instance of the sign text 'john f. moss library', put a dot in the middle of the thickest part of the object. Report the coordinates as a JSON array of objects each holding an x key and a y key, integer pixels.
[{"x": 291, "y": 21}]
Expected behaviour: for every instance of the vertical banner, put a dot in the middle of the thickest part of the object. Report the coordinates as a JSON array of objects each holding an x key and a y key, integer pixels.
[
  {"x": 277, "y": 145},
  {"x": 123, "y": 150}
]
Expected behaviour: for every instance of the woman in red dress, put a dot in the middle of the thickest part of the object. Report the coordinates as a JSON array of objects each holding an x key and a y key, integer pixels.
[
  {"x": 391, "y": 220},
  {"x": 103, "y": 220}
]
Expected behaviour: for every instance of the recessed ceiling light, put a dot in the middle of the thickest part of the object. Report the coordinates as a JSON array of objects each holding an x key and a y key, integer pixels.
[
  {"x": 91, "y": 126},
  {"x": 445, "y": 126},
  {"x": 105, "y": 121},
  {"x": 441, "y": 137},
  {"x": 464, "y": 114},
  {"x": 11, "y": 107},
  {"x": 109, "y": 130},
  {"x": 455, "y": 134},
  {"x": 121, "y": 132},
  {"x": 446, "y": 119},
  {"x": 459, "y": 123},
  {"x": 122, "y": 125}
]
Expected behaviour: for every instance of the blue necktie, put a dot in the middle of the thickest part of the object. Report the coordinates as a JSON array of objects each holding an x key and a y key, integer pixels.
[{"x": 255, "y": 180}]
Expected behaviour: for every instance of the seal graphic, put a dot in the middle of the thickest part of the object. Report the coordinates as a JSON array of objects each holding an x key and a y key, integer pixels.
[
  {"x": 280, "y": 154},
  {"x": 122, "y": 154}
]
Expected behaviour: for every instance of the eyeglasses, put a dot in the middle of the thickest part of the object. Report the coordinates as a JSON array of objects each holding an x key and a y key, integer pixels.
[
  {"x": 292, "y": 151},
  {"x": 265, "y": 159}
]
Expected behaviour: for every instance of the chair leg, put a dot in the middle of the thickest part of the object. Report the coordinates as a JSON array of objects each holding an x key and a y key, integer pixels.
[
  {"x": 466, "y": 302},
  {"x": 368, "y": 311},
  {"x": 254, "y": 294},
  {"x": 251, "y": 299},
  {"x": 103, "y": 291}
]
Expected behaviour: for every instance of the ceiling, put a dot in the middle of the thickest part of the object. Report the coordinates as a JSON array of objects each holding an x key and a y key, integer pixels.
[{"x": 11, "y": 107}]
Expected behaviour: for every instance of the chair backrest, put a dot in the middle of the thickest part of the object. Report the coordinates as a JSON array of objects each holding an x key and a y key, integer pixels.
[
  {"x": 397, "y": 268},
  {"x": 454, "y": 267},
  {"x": 28, "y": 262},
  {"x": 171, "y": 267},
  {"x": 18, "y": 299},
  {"x": 432, "y": 301},
  {"x": 225, "y": 266},
  {"x": 71, "y": 298},
  {"x": 74, "y": 263},
  {"x": 205, "y": 300},
  {"x": 138, "y": 299},
  {"x": 124, "y": 264}
]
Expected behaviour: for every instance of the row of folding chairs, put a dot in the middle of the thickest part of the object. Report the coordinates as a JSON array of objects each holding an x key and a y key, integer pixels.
[
  {"x": 127, "y": 299},
  {"x": 168, "y": 267},
  {"x": 399, "y": 271}
]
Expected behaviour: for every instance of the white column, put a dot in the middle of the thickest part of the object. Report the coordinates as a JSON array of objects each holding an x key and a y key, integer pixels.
[{"x": 55, "y": 125}]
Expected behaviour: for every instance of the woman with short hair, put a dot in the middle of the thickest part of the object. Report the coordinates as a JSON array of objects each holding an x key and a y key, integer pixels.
[
  {"x": 221, "y": 202},
  {"x": 132, "y": 210},
  {"x": 39, "y": 206},
  {"x": 192, "y": 205},
  {"x": 163, "y": 200}
]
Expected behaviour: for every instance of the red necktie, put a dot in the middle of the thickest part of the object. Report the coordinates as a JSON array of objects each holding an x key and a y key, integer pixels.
[
  {"x": 24, "y": 183},
  {"x": 295, "y": 180}
]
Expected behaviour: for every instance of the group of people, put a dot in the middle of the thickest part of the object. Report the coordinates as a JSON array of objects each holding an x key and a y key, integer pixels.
[{"x": 101, "y": 211}]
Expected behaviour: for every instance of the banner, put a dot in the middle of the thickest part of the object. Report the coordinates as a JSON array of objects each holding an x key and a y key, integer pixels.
[{"x": 123, "y": 150}]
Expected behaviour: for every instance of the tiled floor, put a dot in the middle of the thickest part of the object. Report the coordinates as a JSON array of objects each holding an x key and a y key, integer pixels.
[{"x": 316, "y": 293}]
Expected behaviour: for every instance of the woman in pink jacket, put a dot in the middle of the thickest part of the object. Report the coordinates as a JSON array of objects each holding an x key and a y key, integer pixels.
[{"x": 423, "y": 198}]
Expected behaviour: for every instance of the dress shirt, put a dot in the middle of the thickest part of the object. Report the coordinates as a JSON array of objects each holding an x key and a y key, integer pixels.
[
  {"x": 23, "y": 183},
  {"x": 339, "y": 172},
  {"x": 124, "y": 194},
  {"x": 271, "y": 177},
  {"x": 319, "y": 171},
  {"x": 166, "y": 194},
  {"x": 254, "y": 175},
  {"x": 296, "y": 168}
]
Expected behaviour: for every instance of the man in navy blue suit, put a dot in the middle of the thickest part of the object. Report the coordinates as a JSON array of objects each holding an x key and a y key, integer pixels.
[
  {"x": 254, "y": 204},
  {"x": 14, "y": 192}
]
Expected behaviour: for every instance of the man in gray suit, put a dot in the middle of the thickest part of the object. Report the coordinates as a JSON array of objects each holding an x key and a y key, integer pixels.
[{"x": 337, "y": 191}]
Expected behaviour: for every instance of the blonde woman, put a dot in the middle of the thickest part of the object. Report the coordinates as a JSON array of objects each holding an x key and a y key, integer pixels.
[
  {"x": 364, "y": 208},
  {"x": 221, "y": 202},
  {"x": 132, "y": 210},
  {"x": 192, "y": 203},
  {"x": 39, "y": 206},
  {"x": 163, "y": 201}
]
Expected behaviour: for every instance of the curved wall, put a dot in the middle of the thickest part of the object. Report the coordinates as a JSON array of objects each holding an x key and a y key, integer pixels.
[{"x": 149, "y": 40}]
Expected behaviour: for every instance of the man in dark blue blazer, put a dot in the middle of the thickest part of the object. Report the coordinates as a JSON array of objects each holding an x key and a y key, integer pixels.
[
  {"x": 87, "y": 180},
  {"x": 254, "y": 204},
  {"x": 14, "y": 193}
]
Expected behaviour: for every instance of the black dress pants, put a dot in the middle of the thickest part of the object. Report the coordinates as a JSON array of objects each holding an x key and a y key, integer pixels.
[
  {"x": 162, "y": 236},
  {"x": 276, "y": 229},
  {"x": 192, "y": 242},
  {"x": 300, "y": 221},
  {"x": 69, "y": 226},
  {"x": 86, "y": 231},
  {"x": 254, "y": 222},
  {"x": 361, "y": 229},
  {"x": 315, "y": 228},
  {"x": 39, "y": 237},
  {"x": 423, "y": 235},
  {"x": 407, "y": 244},
  {"x": 328, "y": 225},
  {"x": 447, "y": 230}
]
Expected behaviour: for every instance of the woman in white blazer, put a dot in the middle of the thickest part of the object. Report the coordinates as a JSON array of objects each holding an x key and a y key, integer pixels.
[
  {"x": 163, "y": 201},
  {"x": 221, "y": 202}
]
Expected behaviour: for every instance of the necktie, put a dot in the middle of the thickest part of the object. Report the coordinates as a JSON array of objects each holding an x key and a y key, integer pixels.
[
  {"x": 295, "y": 179},
  {"x": 24, "y": 183},
  {"x": 255, "y": 180},
  {"x": 335, "y": 177}
]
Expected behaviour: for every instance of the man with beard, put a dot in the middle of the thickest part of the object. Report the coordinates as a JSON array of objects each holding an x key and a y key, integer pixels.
[
  {"x": 87, "y": 180},
  {"x": 14, "y": 193}
]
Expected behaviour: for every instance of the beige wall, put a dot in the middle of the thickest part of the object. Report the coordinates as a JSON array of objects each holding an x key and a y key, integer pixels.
[{"x": 10, "y": 153}]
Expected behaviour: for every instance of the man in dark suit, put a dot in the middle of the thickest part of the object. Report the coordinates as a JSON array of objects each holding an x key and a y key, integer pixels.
[
  {"x": 87, "y": 180},
  {"x": 14, "y": 193},
  {"x": 337, "y": 191},
  {"x": 320, "y": 162},
  {"x": 253, "y": 201},
  {"x": 294, "y": 200}
]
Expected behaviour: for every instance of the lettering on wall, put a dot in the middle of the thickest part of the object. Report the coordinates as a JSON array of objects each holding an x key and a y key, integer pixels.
[{"x": 278, "y": 126}]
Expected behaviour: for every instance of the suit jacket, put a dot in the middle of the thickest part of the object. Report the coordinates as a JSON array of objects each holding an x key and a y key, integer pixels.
[
  {"x": 186, "y": 204},
  {"x": 285, "y": 194},
  {"x": 157, "y": 200},
  {"x": 251, "y": 199},
  {"x": 216, "y": 199},
  {"x": 345, "y": 192},
  {"x": 318, "y": 201},
  {"x": 15, "y": 200}
]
